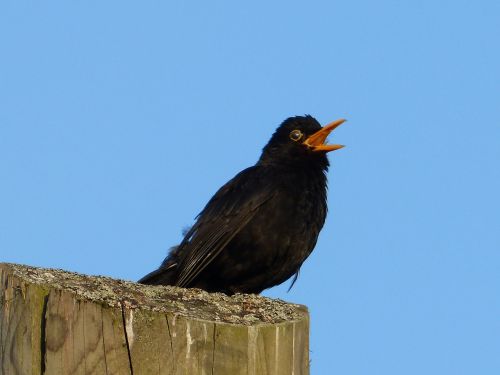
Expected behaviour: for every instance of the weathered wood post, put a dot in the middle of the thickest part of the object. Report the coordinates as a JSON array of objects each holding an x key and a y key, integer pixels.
[{"x": 54, "y": 322}]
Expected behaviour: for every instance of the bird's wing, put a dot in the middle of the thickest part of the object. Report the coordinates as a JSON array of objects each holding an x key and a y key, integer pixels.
[{"x": 229, "y": 210}]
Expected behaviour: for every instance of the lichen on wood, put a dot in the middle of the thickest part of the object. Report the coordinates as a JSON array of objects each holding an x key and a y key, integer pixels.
[{"x": 59, "y": 322}]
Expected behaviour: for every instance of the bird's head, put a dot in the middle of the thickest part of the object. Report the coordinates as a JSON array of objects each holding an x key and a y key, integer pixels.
[{"x": 300, "y": 140}]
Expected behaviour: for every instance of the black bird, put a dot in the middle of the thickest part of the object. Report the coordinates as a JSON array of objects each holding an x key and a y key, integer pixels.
[{"x": 258, "y": 229}]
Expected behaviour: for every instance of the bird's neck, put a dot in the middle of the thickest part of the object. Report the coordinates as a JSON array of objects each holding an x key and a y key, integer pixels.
[
  {"x": 314, "y": 165},
  {"x": 297, "y": 172}
]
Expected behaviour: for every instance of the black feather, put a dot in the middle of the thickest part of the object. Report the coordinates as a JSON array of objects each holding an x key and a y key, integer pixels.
[{"x": 258, "y": 229}]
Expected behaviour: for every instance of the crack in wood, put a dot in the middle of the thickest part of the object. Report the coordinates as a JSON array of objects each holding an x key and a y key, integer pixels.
[
  {"x": 84, "y": 359},
  {"x": 126, "y": 339},
  {"x": 171, "y": 344},
  {"x": 104, "y": 342},
  {"x": 43, "y": 335},
  {"x": 213, "y": 349},
  {"x": 2, "y": 317}
]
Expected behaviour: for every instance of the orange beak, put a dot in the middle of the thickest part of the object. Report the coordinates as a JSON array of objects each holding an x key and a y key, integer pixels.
[{"x": 316, "y": 142}]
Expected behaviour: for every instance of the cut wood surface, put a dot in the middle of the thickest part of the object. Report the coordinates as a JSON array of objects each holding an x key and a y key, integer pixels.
[{"x": 55, "y": 322}]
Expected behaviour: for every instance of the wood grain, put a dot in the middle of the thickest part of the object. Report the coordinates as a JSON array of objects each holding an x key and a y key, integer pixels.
[{"x": 55, "y": 322}]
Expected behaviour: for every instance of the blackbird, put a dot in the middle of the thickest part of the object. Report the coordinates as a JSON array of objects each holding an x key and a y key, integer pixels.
[{"x": 258, "y": 229}]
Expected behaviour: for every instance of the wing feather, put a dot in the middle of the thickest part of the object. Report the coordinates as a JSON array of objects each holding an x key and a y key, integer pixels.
[{"x": 231, "y": 208}]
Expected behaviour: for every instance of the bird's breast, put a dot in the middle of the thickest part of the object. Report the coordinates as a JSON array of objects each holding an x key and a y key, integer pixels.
[
  {"x": 272, "y": 246},
  {"x": 284, "y": 231}
]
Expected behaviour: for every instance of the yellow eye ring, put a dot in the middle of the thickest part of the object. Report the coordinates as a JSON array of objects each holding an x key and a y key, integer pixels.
[{"x": 295, "y": 135}]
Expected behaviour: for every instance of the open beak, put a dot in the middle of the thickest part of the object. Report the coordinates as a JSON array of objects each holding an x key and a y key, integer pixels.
[{"x": 316, "y": 142}]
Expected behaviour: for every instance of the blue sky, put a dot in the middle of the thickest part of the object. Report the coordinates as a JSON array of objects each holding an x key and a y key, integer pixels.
[{"x": 119, "y": 120}]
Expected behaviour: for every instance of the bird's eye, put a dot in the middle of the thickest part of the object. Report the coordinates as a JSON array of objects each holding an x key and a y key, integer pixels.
[{"x": 295, "y": 135}]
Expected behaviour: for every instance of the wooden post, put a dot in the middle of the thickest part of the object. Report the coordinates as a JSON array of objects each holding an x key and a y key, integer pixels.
[{"x": 55, "y": 322}]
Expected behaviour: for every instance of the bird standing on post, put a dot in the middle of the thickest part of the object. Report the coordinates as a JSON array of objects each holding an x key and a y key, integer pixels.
[{"x": 258, "y": 229}]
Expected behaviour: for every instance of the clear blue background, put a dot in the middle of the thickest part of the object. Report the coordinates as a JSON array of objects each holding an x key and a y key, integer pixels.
[{"x": 119, "y": 120}]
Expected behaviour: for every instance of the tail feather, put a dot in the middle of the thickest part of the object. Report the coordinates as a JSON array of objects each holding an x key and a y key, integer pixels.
[
  {"x": 166, "y": 274},
  {"x": 161, "y": 276}
]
